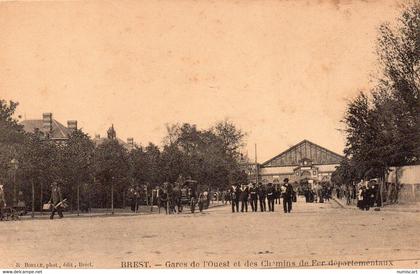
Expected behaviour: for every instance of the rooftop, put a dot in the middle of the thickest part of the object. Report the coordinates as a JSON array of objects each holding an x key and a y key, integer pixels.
[{"x": 59, "y": 131}]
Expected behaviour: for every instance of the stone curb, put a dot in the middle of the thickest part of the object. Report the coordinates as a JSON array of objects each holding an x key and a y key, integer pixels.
[
  {"x": 387, "y": 209},
  {"x": 342, "y": 205}
]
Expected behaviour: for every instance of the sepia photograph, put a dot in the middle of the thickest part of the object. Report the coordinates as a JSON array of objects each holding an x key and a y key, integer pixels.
[{"x": 209, "y": 134}]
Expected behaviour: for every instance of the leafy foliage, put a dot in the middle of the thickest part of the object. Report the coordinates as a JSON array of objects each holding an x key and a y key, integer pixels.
[{"x": 382, "y": 128}]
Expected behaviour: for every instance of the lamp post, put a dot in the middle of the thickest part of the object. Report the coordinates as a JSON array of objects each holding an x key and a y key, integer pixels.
[{"x": 14, "y": 163}]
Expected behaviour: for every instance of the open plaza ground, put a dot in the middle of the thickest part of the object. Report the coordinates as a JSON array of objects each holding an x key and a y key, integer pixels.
[{"x": 313, "y": 235}]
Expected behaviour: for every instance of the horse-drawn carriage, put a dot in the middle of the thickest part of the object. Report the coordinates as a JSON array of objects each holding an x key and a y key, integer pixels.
[
  {"x": 189, "y": 194},
  {"x": 174, "y": 197}
]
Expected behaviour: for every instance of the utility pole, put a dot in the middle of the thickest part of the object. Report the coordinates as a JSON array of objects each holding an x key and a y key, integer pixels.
[
  {"x": 14, "y": 164},
  {"x": 256, "y": 165}
]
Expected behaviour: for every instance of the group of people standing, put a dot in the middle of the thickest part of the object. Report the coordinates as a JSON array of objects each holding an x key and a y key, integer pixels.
[
  {"x": 318, "y": 192},
  {"x": 172, "y": 197},
  {"x": 368, "y": 195},
  {"x": 258, "y": 194}
]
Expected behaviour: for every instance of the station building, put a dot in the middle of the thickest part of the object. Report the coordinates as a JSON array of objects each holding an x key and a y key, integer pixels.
[{"x": 303, "y": 161}]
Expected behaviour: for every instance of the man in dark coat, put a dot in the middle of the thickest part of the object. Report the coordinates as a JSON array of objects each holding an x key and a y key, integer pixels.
[
  {"x": 177, "y": 194},
  {"x": 261, "y": 197},
  {"x": 244, "y": 198},
  {"x": 366, "y": 198},
  {"x": 372, "y": 191},
  {"x": 287, "y": 196},
  {"x": 235, "y": 193},
  {"x": 270, "y": 196},
  {"x": 253, "y": 197},
  {"x": 55, "y": 200},
  {"x": 132, "y": 196}
]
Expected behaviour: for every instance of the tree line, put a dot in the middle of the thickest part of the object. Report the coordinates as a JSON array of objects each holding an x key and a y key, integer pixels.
[
  {"x": 382, "y": 125},
  {"x": 99, "y": 175}
]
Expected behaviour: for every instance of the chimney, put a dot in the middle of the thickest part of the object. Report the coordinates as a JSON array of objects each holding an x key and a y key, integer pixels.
[
  {"x": 130, "y": 141},
  {"x": 47, "y": 122},
  {"x": 72, "y": 125}
]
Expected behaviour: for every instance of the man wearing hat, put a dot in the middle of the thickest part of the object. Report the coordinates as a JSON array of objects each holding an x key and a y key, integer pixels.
[
  {"x": 244, "y": 198},
  {"x": 56, "y": 199},
  {"x": 235, "y": 193},
  {"x": 287, "y": 196},
  {"x": 270, "y": 196},
  {"x": 253, "y": 197},
  {"x": 261, "y": 196}
]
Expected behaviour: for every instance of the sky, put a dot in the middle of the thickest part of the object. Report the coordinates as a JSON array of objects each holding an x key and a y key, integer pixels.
[{"x": 282, "y": 71}]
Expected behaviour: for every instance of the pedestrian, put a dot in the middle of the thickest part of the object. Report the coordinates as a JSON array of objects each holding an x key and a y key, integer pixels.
[
  {"x": 177, "y": 194},
  {"x": 353, "y": 191},
  {"x": 323, "y": 193},
  {"x": 223, "y": 197},
  {"x": 378, "y": 198},
  {"x": 348, "y": 194},
  {"x": 261, "y": 197},
  {"x": 287, "y": 196},
  {"x": 163, "y": 198},
  {"x": 2, "y": 202},
  {"x": 206, "y": 198},
  {"x": 56, "y": 200},
  {"x": 372, "y": 193},
  {"x": 253, "y": 197},
  {"x": 244, "y": 198},
  {"x": 362, "y": 198},
  {"x": 229, "y": 196},
  {"x": 317, "y": 192},
  {"x": 234, "y": 197},
  {"x": 328, "y": 191},
  {"x": 131, "y": 196},
  {"x": 276, "y": 194},
  {"x": 306, "y": 194},
  {"x": 366, "y": 198},
  {"x": 270, "y": 197}
]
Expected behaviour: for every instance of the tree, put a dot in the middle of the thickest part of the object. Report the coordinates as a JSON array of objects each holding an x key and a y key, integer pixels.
[
  {"x": 382, "y": 128},
  {"x": 111, "y": 167},
  {"x": 77, "y": 166},
  {"x": 12, "y": 138},
  {"x": 210, "y": 156},
  {"x": 40, "y": 164},
  {"x": 232, "y": 138},
  {"x": 399, "y": 84},
  {"x": 137, "y": 161}
]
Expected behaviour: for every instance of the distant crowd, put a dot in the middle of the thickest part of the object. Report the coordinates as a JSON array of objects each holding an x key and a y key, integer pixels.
[
  {"x": 255, "y": 197},
  {"x": 260, "y": 196}
]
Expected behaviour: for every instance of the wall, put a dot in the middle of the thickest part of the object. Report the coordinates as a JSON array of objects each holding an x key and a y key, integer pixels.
[{"x": 409, "y": 177}]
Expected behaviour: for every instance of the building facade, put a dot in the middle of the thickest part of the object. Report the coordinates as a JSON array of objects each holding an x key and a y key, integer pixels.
[
  {"x": 53, "y": 130},
  {"x": 112, "y": 134},
  {"x": 303, "y": 161},
  {"x": 50, "y": 128}
]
